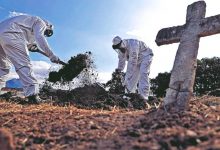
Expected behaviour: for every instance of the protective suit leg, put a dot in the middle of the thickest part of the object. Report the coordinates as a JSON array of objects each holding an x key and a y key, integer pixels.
[
  {"x": 30, "y": 85},
  {"x": 144, "y": 83},
  {"x": 4, "y": 68},
  {"x": 131, "y": 83},
  {"x": 16, "y": 50}
]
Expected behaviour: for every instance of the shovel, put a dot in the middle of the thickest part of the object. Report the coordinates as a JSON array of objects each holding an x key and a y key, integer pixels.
[{"x": 33, "y": 48}]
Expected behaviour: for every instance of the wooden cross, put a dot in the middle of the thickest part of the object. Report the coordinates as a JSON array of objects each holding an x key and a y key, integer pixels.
[{"x": 183, "y": 73}]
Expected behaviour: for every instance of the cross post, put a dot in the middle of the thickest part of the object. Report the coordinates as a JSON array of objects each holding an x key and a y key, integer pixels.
[{"x": 183, "y": 72}]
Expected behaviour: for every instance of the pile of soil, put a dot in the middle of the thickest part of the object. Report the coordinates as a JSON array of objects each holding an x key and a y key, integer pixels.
[
  {"x": 94, "y": 97},
  {"x": 53, "y": 127},
  {"x": 88, "y": 97}
]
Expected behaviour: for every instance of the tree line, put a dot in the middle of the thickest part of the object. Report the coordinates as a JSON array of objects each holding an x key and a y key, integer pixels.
[{"x": 207, "y": 80}]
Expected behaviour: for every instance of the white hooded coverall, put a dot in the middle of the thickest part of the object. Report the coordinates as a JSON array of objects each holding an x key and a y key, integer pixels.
[
  {"x": 139, "y": 58},
  {"x": 15, "y": 35}
]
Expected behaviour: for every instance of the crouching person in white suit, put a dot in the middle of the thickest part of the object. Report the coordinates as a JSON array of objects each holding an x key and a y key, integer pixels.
[
  {"x": 16, "y": 34},
  {"x": 139, "y": 58}
]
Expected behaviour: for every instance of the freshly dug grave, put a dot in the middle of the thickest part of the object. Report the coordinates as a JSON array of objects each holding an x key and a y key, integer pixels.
[
  {"x": 52, "y": 127},
  {"x": 94, "y": 97},
  {"x": 88, "y": 97}
]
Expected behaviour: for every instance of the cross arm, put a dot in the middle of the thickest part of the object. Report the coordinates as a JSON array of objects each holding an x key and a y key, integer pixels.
[
  {"x": 210, "y": 26},
  {"x": 169, "y": 35}
]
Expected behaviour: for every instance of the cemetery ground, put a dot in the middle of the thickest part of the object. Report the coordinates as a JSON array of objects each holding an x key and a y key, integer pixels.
[{"x": 50, "y": 126}]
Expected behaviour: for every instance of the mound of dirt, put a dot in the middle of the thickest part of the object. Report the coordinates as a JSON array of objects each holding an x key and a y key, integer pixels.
[
  {"x": 93, "y": 97},
  {"x": 88, "y": 97}
]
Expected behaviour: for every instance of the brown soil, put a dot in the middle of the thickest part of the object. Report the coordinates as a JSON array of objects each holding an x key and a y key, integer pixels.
[
  {"x": 6, "y": 140},
  {"x": 49, "y": 127}
]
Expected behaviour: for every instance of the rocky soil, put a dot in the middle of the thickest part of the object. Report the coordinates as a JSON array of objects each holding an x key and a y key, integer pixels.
[{"x": 54, "y": 127}]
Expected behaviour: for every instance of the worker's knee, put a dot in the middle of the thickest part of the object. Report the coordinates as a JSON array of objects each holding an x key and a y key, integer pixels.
[{"x": 26, "y": 74}]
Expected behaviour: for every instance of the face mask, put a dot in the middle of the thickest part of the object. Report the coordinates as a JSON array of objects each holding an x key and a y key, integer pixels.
[
  {"x": 122, "y": 50},
  {"x": 48, "y": 32},
  {"x": 117, "y": 51},
  {"x": 114, "y": 47},
  {"x": 117, "y": 46}
]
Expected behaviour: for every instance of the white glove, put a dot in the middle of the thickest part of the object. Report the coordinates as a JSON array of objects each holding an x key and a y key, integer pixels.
[
  {"x": 54, "y": 59},
  {"x": 126, "y": 90},
  {"x": 123, "y": 83},
  {"x": 32, "y": 47}
]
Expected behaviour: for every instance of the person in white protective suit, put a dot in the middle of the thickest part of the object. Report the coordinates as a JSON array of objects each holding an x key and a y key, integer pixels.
[
  {"x": 139, "y": 58},
  {"x": 16, "y": 34}
]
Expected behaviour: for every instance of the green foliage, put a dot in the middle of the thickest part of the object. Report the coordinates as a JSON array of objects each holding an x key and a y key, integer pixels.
[
  {"x": 160, "y": 84},
  {"x": 115, "y": 85},
  {"x": 207, "y": 75},
  {"x": 207, "y": 79}
]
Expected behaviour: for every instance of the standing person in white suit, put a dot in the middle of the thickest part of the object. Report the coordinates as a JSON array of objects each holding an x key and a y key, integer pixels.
[
  {"x": 139, "y": 58},
  {"x": 16, "y": 35}
]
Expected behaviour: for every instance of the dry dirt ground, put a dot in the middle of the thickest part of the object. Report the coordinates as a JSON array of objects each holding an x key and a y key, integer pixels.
[{"x": 52, "y": 127}]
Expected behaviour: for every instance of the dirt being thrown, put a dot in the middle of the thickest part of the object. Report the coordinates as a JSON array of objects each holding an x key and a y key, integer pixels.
[{"x": 72, "y": 69}]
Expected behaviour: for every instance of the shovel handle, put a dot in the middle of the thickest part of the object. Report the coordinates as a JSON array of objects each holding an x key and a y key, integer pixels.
[{"x": 41, "y": 52}]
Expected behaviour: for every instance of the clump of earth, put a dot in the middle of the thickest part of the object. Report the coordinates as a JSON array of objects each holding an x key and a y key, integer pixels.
[{"x": 77, "y": 64}]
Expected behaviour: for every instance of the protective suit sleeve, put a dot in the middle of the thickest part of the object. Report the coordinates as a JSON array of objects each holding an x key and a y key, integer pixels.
[
  {"x": 121, "y": 61},
  {"x": 38, "y": 29}
]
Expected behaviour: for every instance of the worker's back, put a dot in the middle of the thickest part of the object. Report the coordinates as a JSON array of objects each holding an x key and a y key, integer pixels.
[
  {"x": 18, "y": 24},
  {"x": 140, "y": 47}
]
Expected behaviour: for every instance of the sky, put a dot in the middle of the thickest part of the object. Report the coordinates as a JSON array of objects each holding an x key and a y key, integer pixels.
[{"x": 90, "y": 25}]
